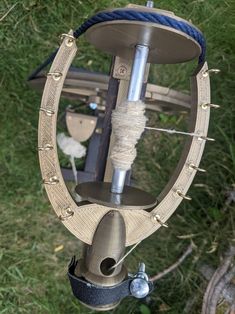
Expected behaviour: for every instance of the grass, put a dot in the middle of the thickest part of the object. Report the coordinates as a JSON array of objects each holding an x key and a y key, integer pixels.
[{"x": 33, "y": 275}]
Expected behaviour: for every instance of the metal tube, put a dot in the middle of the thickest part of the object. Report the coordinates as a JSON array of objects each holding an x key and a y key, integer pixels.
[
  {"x": 134, "y": 93},
  {"x": 118, "y": 180},
  {"x": 138, "y": 72}
]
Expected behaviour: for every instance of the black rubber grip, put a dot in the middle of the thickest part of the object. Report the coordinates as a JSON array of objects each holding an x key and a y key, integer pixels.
[{"x": 93, "y": 295}]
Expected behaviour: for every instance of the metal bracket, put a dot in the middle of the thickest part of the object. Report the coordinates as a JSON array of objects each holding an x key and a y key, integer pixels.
[
  {"x": 80, "y": 126},
  {"x": 122, "y": 69}
]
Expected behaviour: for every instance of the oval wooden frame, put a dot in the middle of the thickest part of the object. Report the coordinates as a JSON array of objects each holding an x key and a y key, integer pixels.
[{"x": 82, "y": 220}]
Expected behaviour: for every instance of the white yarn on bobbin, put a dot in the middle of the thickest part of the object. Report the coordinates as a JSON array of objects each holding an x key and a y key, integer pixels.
[{"x": 128, "y": 124}]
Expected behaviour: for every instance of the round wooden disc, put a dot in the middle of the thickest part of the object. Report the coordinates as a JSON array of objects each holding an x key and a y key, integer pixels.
[
  {"x": 100, "y": 193},
  {"x": 167, "y": 45}
]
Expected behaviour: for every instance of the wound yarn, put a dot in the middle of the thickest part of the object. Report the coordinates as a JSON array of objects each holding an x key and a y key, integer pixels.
[{"x": 128, "y": 124}]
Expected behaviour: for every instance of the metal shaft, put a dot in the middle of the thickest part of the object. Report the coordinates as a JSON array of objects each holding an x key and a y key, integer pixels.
[
  {"x": 118, "y": 180},
  {"x": 150, "y": 4},
  {"x": 138, "y": 72},
  {"x": 134, "y": 93}
]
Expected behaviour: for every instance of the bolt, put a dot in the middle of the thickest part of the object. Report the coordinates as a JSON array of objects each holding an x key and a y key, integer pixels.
[
  {"x": 139, "y": 286},
  {"x": 142, "y": 267}
]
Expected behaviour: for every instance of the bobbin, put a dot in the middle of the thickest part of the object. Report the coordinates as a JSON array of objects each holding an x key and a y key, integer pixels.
[{"x": 145, "y": 42}]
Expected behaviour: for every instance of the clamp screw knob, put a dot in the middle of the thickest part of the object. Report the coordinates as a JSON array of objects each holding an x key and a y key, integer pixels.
[{"x": 139, "y": 286}]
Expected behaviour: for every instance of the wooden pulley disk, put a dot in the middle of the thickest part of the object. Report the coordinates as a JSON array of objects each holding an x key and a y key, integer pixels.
[
  {"x": 166, "y": 44},
  {"x": 112, "y": 214},
  {"x": 132, "y": 198}
]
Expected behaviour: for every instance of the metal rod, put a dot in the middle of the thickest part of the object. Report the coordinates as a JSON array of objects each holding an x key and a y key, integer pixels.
[
  {"x": 150, "y": 4},
  {"x": 172, "y": 131},
  {"x": 169, "y": 131},
  {"x": 138, "y": 72},
  {"x": 118, "y": 180},
  {"x": 134, "y": 93}
]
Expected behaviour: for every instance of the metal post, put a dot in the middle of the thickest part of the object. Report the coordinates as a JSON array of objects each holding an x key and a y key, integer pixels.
[
  {"x": 135, "y": 88},
  {"x": 150, "y": 4},
  {"x": 118, "y": 180},
  {"x": 138, "y": 72}
]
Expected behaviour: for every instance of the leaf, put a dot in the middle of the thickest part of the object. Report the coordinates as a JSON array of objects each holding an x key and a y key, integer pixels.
[
  {"x": 144, "y": 309},
  {"x": 163, "y": 118}
]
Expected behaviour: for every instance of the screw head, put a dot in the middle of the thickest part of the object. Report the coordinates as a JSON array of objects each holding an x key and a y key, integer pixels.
[
  {"x": 139, "y": 288},
  {"x": 122, "y": 70}
]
